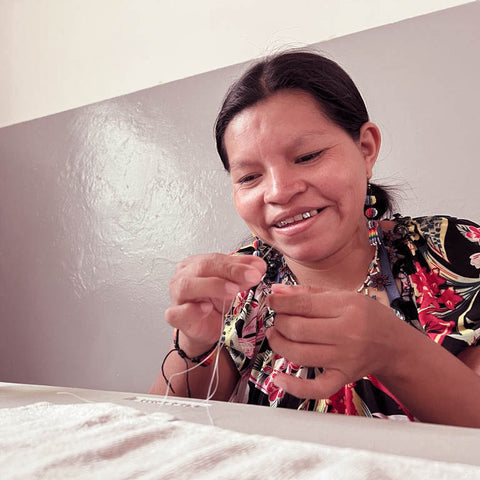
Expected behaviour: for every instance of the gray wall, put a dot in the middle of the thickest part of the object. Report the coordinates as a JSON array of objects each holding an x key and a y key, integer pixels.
[{"x": 98, "y": 203}]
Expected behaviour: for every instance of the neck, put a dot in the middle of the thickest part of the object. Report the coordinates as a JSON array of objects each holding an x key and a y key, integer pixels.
[{"x": 345, "y": 269}]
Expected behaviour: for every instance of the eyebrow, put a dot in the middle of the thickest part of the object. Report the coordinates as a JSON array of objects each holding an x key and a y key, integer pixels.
[
  {"x": 307, "y": 134},
  {"x": 241, "y": 165}
]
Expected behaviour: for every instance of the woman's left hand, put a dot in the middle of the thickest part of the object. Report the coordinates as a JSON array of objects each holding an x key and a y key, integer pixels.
[{"x": 348, "y": 334}]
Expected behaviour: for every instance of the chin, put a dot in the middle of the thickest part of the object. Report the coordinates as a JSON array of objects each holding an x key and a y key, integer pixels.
[{"x": 304, "y": 254}]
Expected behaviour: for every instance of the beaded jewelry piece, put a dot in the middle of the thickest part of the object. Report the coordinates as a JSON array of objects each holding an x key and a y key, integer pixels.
[
  {"x": 371, "y": 213},
  {"x": 375, "y": 278}
]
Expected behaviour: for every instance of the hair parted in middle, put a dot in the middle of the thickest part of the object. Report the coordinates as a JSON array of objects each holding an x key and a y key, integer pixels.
[{"x": 321, "y": 77}]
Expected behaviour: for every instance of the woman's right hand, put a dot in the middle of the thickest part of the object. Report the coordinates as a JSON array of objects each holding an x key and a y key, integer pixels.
[{"x": 202, "y": 290}]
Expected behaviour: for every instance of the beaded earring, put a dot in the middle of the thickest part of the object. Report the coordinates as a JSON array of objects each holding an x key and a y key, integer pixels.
[{"x": 371, "y": 213}]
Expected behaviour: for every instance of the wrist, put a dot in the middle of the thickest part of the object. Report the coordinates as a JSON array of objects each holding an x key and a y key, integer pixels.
[
  {"x": 403, "y": 355},
  {"x": 197, "y": 354}
]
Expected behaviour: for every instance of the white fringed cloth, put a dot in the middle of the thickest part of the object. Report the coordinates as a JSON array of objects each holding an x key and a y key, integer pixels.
[{"x": 111, "y": 442}]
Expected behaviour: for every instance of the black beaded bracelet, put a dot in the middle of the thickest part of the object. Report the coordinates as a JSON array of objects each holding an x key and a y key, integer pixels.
[{"x": 204, "y": 359}]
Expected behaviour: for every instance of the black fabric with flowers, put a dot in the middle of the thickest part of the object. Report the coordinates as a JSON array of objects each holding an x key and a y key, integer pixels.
[{"x": 437, "y": 261}]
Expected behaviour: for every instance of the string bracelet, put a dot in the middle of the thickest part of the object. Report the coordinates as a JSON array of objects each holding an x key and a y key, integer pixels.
[
  {"x": 167, "y": 381},
  {"x": 204, "y": 359}
]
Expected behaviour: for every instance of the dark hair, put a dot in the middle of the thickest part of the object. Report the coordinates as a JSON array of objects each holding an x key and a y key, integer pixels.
[{"x": 311, "y": 72}]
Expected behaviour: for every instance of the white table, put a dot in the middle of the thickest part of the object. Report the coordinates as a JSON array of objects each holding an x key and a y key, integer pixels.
[{"x": 426, "y": 441}]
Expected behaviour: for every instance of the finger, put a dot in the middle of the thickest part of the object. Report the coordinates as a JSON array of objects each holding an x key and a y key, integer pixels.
[
  {"x": 298, "y": 289},
  {"x": 188, "y": 318},
  {"x": 308, "y": 304},
  {"x": 307, "y": 354},
  {"x": 241, "y": 269},
  {"x": 326, "y": 331},
  {"x": 182, "y": 316},
  {"x": 322, "y": 386},
  {"x": 251, "y": 260},
  {"x": 197, "y": 289},
  {"x": 291, "y": 289}
]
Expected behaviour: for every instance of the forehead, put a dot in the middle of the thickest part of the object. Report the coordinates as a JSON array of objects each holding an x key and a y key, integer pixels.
[{"x": 286, "y": 118}]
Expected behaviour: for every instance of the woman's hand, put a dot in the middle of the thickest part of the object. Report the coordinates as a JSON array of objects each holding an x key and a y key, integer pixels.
[
  {"x": 348, "y": 334},
  {"x": 202, "y": 289}
]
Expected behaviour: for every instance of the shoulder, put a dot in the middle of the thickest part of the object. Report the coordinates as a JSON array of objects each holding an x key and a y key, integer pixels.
[
  {"x": 439, "y": 226},
  {"x": 444, "y": 234},
  {"x": 450, "y": 240},
  {"x": 433, "y": 229}
]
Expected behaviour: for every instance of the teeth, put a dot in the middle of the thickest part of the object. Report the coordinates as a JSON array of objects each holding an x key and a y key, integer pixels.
[{"x": 297, "y": 218}]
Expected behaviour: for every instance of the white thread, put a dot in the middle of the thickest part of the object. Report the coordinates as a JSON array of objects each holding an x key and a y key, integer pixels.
[
  {"x": 220, "y": 344},
  {"x": 193, "y": 367},
  {"x": 215, "y": 372},
  {"x": 77, "y": 396},
  {"x": 215, "y": 375}
]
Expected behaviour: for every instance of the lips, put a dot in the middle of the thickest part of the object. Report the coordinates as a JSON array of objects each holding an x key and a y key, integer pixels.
[{"x": 297, "y": 218}]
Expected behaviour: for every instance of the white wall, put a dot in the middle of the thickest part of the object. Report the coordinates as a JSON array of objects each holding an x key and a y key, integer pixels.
[{"x": 61, "y": 54}]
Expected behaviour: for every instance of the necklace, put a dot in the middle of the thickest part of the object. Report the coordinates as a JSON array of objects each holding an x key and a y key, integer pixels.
[{"x": 375, "y": 278}]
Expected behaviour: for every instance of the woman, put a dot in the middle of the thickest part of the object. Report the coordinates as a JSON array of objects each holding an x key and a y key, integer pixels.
[{"x": 337, "y": 312}]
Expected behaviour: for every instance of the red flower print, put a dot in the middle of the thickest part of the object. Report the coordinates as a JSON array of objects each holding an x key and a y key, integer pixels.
[
  {"x": 427, "y": 286},
  {"x": 450, "y": 298},
  {"x": 240, "y": 301},
  {"x": 342, "y": 402},
  {"x": 434, "y": 300},
  {"x": 428, "y": 300},
  {"x": 271, "y": 389},
  {"x": 247, "y": 346},
  {"x": 435, "y": 328},
  {"x": 473, "y": 234}
]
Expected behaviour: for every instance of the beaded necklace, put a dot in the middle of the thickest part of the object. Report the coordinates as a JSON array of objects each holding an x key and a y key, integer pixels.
[
  {"x": 375, "y": 278},
  {"x": 379, "y": 275}
]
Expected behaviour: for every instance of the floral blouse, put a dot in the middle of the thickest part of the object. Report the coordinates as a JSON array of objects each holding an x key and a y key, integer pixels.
[{"x": 436, "y": 259}]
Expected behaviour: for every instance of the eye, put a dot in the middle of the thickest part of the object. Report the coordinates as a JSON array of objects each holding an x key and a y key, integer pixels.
[
  {"x": 248, "y": 178},
  {"x": 310, "y": 156}
]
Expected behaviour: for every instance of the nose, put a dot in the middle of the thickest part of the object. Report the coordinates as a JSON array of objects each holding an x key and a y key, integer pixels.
[{"x": 283, "y": 184}]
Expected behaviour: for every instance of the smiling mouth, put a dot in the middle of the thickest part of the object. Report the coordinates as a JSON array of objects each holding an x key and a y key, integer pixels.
[{"x": 298, "y": 218}]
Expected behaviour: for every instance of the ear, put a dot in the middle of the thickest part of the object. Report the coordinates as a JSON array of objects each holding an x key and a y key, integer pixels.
[{"x": 369, "y": 143}]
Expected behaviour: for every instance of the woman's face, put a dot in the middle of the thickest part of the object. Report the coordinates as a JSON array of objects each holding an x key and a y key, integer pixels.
[{"x": 299, "y": 180}]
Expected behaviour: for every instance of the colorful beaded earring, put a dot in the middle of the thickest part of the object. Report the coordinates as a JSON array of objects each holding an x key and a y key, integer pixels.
[{"x": 371, "y": 213}]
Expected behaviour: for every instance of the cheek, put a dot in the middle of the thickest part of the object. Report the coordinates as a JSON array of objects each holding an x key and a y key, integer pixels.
[
  {"x": 247, "y": 205},
  {"x": 349, "y": 192}
]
